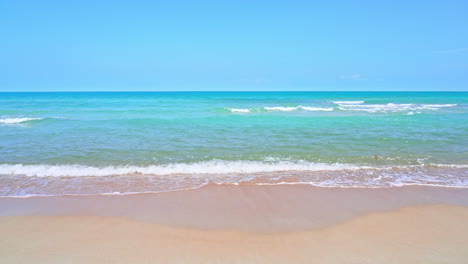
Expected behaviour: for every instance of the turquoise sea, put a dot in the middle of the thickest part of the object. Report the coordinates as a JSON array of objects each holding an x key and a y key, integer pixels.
[{"x": 124, "y": 142}]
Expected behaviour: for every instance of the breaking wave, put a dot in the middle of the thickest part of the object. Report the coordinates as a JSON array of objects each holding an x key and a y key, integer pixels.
[
  {"x": 280, "y": 109},
  {"x": 385, "y": 108},
  {"x": 349, "y": 106},
  {"x": 347, "y": 102},
  {"x": 202, "y": 167},
  {"x": 53, "y": 180},
  {"x": 293, "y": 108},
  {"x": 17, "y": 120},
  {"x": 238, "y": 110}
]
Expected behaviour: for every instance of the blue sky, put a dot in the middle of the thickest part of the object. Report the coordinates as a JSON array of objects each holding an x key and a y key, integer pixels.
[{"x": 235, "y": 45}]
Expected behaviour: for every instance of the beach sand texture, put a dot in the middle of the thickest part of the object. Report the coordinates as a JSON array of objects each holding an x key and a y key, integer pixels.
[{"x": 429, "y": 226}]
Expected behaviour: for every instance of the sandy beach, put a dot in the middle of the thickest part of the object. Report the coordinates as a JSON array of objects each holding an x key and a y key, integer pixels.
[
  {"x": 232, "y": 132},
  {"x": 240, "y": 224}
]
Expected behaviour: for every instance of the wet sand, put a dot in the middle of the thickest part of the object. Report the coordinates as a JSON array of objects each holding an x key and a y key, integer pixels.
[{"x": 240, "y": 224}]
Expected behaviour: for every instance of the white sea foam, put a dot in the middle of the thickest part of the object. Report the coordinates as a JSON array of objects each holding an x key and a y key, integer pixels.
[
  {"x": 391, "y": 107},
  {"x": 293, "y": 108},
  {"x": 355, "y": 106},
  {"x": 439, "y": 105},
  {"x": 17, "y": 181},
  {"x": 308, "y": 108},
  {"x": 239, "y": 110},
  {"x": 281, "y": 108},
  {"x": 455, "y": 166},
  {"x": 434, "y": 106},
  {"x": 203, "y": 167},
  {"x": 347, "y": 102},
  {"x": 17, "y": 120}
]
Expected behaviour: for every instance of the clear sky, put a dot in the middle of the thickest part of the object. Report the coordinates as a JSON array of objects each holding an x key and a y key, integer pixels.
[{"x": 233, "y": 45}]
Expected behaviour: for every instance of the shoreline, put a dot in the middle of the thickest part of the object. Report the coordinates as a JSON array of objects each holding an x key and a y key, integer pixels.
[
  {"x": 262, "y": 208},
  {"x": 240, "y": 224},
  {"x": 29, "y": 196}
]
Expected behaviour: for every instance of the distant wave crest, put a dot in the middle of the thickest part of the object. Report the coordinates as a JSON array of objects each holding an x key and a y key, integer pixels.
[
  {"x": 300, "y": 107},
  {"x": 17, "y": 120},
  {"x": 279, "y": 109},
  {"x": 347, "y": 102},
  {"x": 349, "y": 106},
  {"x": 385, "y": 108},
  {"x": 238, "y": 110}
]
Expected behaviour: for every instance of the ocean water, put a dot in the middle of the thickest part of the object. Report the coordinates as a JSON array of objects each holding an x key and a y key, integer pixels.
[{"x": 127, "y": 142}]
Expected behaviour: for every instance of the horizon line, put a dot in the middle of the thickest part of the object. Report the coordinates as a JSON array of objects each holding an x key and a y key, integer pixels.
[{"x": 228, "y": 91}]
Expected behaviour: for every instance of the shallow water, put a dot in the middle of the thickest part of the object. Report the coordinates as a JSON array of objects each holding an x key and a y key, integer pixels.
[{"x": 81, "y": 143}]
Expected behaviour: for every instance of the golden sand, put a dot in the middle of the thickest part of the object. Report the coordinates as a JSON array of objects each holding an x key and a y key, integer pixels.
[
  {"x": 240, "y": 224},
  {"x": 424, "y": 234}
]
